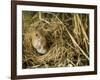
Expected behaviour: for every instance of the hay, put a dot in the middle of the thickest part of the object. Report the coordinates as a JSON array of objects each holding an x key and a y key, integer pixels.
[{"x": 67, "y": 37}]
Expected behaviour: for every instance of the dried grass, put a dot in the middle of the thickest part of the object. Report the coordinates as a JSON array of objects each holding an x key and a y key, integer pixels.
[{"x": 67, "y": 37}]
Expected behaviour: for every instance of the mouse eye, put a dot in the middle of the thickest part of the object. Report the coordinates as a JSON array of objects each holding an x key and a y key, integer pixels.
[{"x": 36, "y": 34}]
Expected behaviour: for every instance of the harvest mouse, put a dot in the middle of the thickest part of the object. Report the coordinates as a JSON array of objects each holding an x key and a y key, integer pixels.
[{"x": 39, "y": 41}]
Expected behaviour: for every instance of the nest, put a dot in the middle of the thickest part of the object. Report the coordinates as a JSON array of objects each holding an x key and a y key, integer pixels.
[{"x": 66, "y": 35}]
